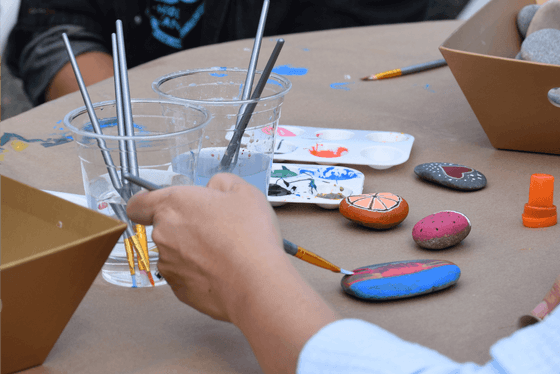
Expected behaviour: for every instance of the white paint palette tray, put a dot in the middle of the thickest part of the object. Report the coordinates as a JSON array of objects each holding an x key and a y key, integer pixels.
[
  {"x": 377, "y": 149},
  {"x": 324, "y": 186}
]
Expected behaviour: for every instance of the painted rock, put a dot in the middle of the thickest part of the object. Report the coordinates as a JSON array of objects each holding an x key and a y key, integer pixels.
[
  {"x": 400, "y": 279},
  {"x": 441, "y": 230},
  {"x": 454, "y": 176},
  {"x": 375, "y": 210}
]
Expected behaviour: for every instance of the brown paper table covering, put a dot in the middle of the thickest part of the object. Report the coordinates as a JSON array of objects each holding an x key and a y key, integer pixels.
[{"x": 506, "y": 268}]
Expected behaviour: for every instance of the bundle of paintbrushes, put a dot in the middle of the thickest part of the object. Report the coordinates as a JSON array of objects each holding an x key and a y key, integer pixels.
[{"x": 135, "y": 238}]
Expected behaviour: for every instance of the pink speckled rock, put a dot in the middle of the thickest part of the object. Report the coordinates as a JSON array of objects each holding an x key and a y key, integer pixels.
[{"x": 441, "y": 230}]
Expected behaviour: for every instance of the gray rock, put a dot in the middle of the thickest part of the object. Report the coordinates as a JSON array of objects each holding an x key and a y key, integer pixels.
[
  {"x": 524, "y": 18},
  {"x": 554, "y": 96},
  {"x": 546, "y": 17},
  {"x": 542, "y": 46},
  {"x": 454, "y": 176}
]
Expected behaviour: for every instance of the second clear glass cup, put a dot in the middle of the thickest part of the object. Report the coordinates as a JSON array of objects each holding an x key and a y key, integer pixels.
[{"x": 219, "y": 90}]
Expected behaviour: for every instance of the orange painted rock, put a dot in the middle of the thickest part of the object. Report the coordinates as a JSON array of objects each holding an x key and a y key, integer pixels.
[{"x": 376, "y": 210}]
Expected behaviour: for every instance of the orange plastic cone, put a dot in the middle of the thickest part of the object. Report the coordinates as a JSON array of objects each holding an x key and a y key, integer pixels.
[{"x": 540, "y": 210}]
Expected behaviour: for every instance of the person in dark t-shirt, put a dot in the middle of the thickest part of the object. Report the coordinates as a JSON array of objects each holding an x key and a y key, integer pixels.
[{"x": 155, "y": 28}]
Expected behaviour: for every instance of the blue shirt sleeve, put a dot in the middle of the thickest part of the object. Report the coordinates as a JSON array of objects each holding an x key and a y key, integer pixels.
[{"x": 358, "y": 347}]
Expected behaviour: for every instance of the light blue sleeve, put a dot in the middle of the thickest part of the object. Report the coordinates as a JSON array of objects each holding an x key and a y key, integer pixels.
[{"x": 358, "y": 347}]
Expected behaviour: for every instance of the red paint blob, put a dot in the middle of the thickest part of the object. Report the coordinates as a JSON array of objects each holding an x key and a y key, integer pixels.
[{"x": 456, "y": 171}]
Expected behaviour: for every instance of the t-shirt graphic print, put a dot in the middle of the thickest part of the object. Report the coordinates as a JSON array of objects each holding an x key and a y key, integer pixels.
[{"x": 172, "y": 20}]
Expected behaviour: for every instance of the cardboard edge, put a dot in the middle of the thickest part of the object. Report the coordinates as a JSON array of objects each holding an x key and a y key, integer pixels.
[{"x": 120, "y": 227}]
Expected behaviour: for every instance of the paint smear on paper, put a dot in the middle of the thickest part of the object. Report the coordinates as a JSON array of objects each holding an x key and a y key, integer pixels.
[
  {"x": 49, "y": 142},
  {"x": 289, "y": 70},
  {"x": 317, "y": 150},
  {"x": 426, "y": 87},
  {"x": 18, "y": 145}
]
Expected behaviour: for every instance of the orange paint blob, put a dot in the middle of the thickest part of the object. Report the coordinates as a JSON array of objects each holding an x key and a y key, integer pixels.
[{"x": 327, "y": 153}]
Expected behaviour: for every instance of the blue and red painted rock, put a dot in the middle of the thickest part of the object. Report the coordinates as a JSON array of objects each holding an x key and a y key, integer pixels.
[
  {"x": 441, "y": 230},
  {"x": 376, "y": 210},
  {"x": 453, "y": 176},
  {"x": 400, "y": 279}
]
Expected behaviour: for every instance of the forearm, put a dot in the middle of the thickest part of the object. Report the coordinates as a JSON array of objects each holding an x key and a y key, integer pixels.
[
  {"x": 94, "y": 66},
  {"x": 279, "y": 315}
]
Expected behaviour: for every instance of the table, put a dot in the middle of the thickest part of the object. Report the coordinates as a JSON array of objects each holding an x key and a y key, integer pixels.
[{"x": 506, "y": 268}]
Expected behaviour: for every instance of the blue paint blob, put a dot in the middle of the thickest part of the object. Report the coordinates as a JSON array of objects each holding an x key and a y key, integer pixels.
[
  {"x": 289, "y": 70},
  {"x": 400, "y": 279},
  {"x": 306, "y": 49},
  {"x": 341, "y": 86}
]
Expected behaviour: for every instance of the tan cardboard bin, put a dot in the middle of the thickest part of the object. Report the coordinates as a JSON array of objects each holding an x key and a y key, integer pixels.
[
  {"x": 51, "y": 252},
  {"x": 509, "y": 97}
]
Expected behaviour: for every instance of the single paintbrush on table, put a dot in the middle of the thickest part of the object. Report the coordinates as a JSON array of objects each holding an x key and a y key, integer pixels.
[{"x": 289, "y": 247}]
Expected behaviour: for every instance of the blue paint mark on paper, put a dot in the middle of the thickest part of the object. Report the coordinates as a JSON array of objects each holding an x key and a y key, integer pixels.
[
  {"x": 289, "y": 70},
  {"x": 7, "y": 136},
  {"x": 341, "y": 86},
  {"x": 306, "y": 49},
  {"x": 426, "y": 87}
]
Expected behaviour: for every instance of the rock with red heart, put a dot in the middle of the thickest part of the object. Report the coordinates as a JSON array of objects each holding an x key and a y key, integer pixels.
[
  {"x": 458, "y": 177},
  {"x": 441, "y": 230}
]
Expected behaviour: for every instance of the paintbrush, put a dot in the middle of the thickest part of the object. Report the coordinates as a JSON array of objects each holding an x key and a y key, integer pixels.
[
  {"x": 406, "y": 70},
  {"x": 289, "y": 247},
  {"x": 226, "y": 160},
  {"x": 235, "y": 142},
  {"x": 120, "y": 116},
  {"x": 127, "y": 106},
  {"x": 111, "y": 169},
  {"x": 122, "y": 92}
]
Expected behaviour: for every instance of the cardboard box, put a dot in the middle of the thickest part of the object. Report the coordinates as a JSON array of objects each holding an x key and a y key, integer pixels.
[
  {"x": 508, "y": 96},
  {"x": 52, "y": 250}
]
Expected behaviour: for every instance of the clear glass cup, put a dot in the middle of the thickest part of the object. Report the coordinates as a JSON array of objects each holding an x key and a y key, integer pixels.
[
  {"x": 219, "y": 90},
  {"x": 164, "y": 133}
]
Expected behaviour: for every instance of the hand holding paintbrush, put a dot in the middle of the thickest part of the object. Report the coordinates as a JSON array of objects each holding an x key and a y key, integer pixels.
[{"x": 289, "y": 247}]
